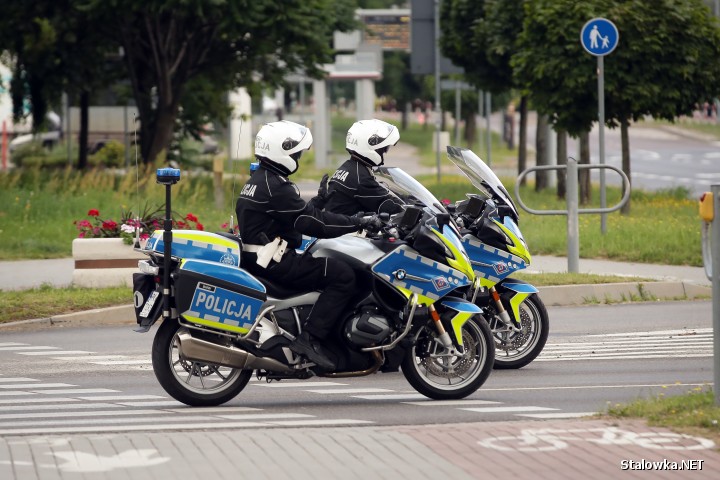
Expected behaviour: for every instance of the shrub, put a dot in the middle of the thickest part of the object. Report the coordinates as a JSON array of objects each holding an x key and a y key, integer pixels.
[
  {"x": 30, "y": 150},
  {"x": 112, "y": 154}
]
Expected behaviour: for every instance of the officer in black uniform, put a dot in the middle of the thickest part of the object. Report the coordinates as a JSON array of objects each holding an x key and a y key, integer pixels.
[
  {"x": 353, "y": 188},
  {"x": 270, "y": 212}
]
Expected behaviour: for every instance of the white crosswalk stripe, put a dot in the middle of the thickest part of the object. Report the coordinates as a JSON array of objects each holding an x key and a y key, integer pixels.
[{"x": 685, "y": 343}]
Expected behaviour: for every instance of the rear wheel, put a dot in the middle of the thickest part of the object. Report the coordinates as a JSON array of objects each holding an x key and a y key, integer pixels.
[
  {"x": 443, "y": 375},
  {"x": 517, "y": 349},
  {"x": 192, "y": 383}
]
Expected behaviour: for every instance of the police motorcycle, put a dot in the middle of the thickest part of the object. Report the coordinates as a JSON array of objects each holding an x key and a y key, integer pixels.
[
  {"x": 496, "y": 248},
  {"x": 221, "y": 324}
]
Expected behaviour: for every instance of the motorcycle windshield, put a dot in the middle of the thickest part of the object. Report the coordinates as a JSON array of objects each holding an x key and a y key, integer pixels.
[
  {"x": 408, "y": 189},
  {"x": 480, "y": 175}
]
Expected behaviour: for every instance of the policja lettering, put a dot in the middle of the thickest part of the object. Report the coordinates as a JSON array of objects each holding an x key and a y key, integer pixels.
[
  {"x": 340, "y": 175},
  {"x": 223, "y": 306},
  {"x": 248, "y": 190}
]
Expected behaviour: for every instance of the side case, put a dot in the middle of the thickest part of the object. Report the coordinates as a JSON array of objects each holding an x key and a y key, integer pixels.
[{"x": 218, "y": 296}]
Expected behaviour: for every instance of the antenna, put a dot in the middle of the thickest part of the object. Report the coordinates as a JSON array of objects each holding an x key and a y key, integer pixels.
[
  {"x": 137, "y": 185},
  {"x": 232, "y": 170}
]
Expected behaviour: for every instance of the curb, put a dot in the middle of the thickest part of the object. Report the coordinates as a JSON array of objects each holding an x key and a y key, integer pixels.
[{"x": 554, "y": 296}]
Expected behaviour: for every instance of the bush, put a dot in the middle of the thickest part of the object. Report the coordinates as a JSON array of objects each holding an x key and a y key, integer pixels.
[
  {"x": 30, "y": 150},
  {"x": 112, "y": 154}
]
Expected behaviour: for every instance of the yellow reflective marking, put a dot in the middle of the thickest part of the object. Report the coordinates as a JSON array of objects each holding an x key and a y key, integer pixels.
[
  {"x": 457, "y": 323},
  {"x": 218, "y": 325}
]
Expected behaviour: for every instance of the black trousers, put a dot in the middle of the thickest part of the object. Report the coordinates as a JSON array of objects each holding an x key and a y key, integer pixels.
[{"x": 334, "y": 278}]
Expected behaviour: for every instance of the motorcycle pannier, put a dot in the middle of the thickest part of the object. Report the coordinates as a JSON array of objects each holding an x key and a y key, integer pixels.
[{"x": 218, "y": 296}]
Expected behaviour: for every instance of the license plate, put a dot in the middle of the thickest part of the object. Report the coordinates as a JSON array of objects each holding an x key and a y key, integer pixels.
[{"x": 149, "y": 304}]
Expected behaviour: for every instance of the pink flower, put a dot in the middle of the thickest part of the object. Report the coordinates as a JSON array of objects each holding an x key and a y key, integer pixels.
[
  {"x": 191, "y": 218},
  {"x": 93, "y": 213},
  {"x": 109, "y": 225},
  {"x": 199, "y": 226}
]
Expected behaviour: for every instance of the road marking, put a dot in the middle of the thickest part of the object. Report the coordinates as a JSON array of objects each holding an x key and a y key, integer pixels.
[
  {"x": 182, "y": 426},
  {"x": 582, "y": 387},
  {"x": 121, "y": 362},
  {"x": 300, "y": 384},
  {"x": 17, "y": 379},
  {"x": 351, "y": 390},
  {"x": 550, "y": 416},
  {"x": 159, "y": 403},
  {"x": 451, "y": 403},
  {"x": 28, "y": 347},
  {"x": 397, "y": 396},
  {"x": 97, "y": 413},
  {"x": 36, "y": 400},
  {"x": 11, "y": 344},
  {"x": 90, "y": 358},
  {"x": 54, "y": 352},
  {"x": 264, "y": 416},
  {"x": 622, "y": 357},
  {"x": 507, "y": 409},
  {"x": 108, "y": 398},
  {"x": 38, "y": 385},
  {"x": 690, "y": 331},
  {"x": 75, "y": 390}
]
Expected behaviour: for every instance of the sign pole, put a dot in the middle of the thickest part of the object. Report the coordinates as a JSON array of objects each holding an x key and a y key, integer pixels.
[
  {"x": 599, "y": 37},
  {"x": 601, "y": 115},
  {"x": 3, "y": 146},
  {"x": 438, "y": 111}
]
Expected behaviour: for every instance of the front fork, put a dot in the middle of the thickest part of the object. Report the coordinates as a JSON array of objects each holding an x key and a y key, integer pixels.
[{"x": 501, "y": 312}]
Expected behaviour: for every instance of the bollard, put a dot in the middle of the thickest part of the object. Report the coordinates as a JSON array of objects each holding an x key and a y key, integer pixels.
[{"x": 715, "y": 273}]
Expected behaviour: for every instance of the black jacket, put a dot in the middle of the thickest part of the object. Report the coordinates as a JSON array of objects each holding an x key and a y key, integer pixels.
[
  {"x": 269, "y": 203},
  {"x": 353, "y": 189}
]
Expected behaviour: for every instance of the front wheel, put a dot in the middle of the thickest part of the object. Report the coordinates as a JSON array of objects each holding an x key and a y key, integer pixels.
[
  {"x": 440, "y": 375},
  {"x": 193, "y": 383},
  {"x": 517, "y": 349}
]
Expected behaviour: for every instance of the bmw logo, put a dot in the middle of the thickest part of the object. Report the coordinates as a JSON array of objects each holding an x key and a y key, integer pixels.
[{"x": 400, "y": 274}]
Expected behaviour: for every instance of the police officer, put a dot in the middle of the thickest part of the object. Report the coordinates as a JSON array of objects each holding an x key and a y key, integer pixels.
[
  {"x": 353, "y": 187},
  {"x": 272, "y": 218}
]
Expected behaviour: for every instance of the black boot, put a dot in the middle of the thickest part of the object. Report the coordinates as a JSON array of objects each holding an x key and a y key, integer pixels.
[{"x": 309, "y": 346}]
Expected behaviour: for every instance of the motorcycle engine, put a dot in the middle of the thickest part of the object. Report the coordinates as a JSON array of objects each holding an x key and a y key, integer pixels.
[{"x": 367, "y": 327}]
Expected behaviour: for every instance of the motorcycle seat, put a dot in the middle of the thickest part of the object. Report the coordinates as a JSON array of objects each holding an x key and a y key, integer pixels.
[{"x": 277, "y": 290}]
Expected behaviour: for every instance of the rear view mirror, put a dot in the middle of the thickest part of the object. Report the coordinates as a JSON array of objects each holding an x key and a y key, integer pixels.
[{"x": 410, "y": 217}]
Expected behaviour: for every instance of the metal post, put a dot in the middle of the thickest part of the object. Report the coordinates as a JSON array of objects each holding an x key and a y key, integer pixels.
[
  {"x": 68, "y": 135},
  {"x": 715, "y": 254},
  {"x": 438, "y": 112},
  {"x": 601, "y": 113},
  {"x": 457, "y": 114},
  {"x": 488, "y": 102},
  {"x": 302, "y": 99},
  {"x": 573, "y": 228},
  {"x": 480, "y": 113},
  {"x": 126, "y": 140}
]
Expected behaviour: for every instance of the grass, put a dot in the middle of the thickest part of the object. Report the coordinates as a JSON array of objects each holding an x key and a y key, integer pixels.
[
  {"x": 693, "y": 413},
  {"x": 47, "y": 301}
]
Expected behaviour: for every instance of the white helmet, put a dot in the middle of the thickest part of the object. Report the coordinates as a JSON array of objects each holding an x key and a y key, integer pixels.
[
  {"x": 280, "y": 144},
  {"x": 370, "y": 139}
]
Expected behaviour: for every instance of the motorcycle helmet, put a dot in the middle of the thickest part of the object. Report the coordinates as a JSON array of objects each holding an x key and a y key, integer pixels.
[
  {"x": 368, "y": 140},
  {"x": 279, "y": 145}
]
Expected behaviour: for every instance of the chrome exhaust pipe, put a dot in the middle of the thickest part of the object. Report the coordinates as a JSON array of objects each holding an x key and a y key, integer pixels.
[{"x": 198, "y": 350}]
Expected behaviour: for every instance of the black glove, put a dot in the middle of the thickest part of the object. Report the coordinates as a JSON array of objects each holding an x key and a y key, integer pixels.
[
  {"x": 323, "y": 189},
  {"x": 371, "y": 223}
]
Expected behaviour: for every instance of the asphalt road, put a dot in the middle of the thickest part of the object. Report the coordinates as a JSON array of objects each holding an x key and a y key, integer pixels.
[{"x": 99, "y": 380}]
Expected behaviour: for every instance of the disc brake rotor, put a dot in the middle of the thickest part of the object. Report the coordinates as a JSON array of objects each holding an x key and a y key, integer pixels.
[
  {"x": 514, "y": 340},
  {"x": 449, "y": 366}
]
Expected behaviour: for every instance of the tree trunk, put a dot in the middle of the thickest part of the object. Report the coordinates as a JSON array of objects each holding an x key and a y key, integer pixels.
[
  {"x": 541, "y": 157},
  {"x": 404, "y": 118},
  {"x": 84, "y": 127},
  {"x": 561, "y": 160},
  {"x": 522, "y": 139},
  {"x": 470, "y": 129},
  {"x": 160, "y": 134},
  {"x": 584, "y": 174},
  {"x": 625, "y": 141}
]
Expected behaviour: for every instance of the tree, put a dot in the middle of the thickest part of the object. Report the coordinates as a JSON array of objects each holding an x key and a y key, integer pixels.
[
  {"x": 665, "y": 62},
  {"x": 481, "y": 36},
  {"x": 167, "y": 43},
  {"x": 54, "y": 50},
  {"x": 398, "y": 82}
]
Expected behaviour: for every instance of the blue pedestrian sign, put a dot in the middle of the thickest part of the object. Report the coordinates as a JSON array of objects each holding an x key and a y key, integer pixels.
[{"x": 599, "y": 37}]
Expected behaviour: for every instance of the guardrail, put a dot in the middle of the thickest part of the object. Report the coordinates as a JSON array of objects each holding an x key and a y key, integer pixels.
[{"x": 571, "y": 196}]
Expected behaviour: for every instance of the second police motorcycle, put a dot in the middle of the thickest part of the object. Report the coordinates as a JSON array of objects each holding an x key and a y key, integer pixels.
[
  {"x": 488, "y": 222},
  {"x": 220, "y": 324}
]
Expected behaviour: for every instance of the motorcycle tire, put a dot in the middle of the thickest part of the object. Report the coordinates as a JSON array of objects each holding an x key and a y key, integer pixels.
[
  {"x": 430, "y": 374},
  {"x": 193, "y": 383},
  {"x": 514, "y": 350}
]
